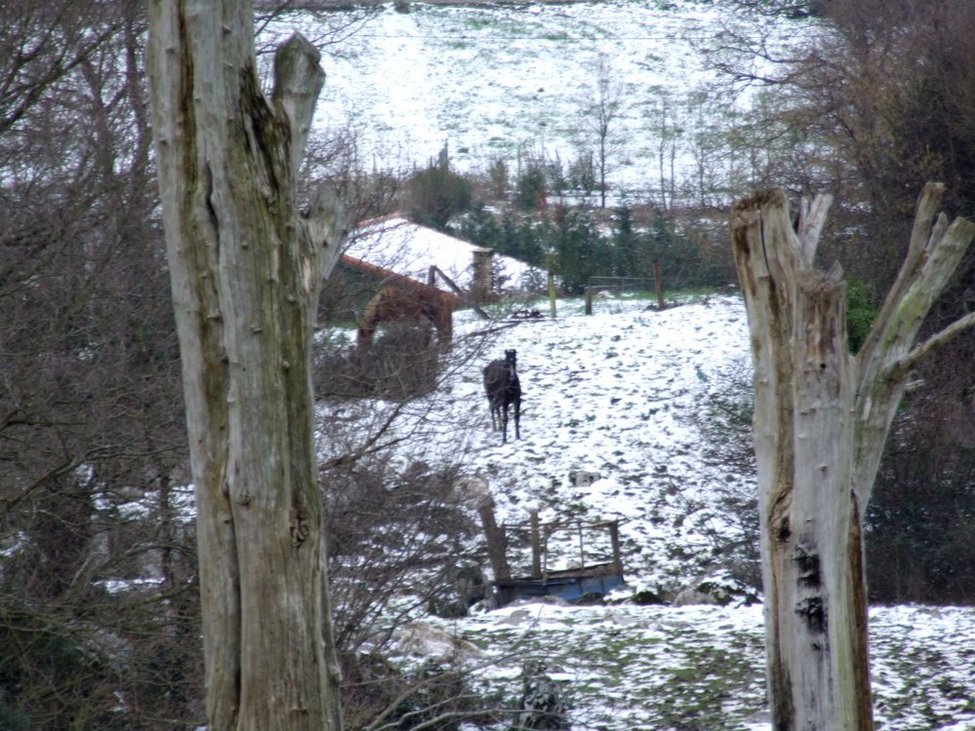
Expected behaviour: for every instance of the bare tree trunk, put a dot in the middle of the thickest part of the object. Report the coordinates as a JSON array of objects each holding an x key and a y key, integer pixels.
[
  {"x": 821, "y": 420},
  {"x": 246, "y": 269}
]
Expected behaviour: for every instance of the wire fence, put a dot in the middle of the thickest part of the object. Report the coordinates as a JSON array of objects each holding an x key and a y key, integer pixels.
[{"x": 619, "y": 285}]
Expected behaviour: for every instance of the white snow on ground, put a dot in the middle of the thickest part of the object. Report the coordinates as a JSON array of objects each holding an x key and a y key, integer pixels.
[
  {"x": 614, "y": 394},
  {"x": 507, "y": 81}
]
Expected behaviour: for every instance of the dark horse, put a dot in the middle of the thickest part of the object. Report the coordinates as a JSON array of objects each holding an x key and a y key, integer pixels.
[{"x": 503, "y": 389}]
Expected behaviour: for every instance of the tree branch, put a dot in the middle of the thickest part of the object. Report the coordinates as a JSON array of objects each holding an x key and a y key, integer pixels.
[
  {"x": 927, "y": 206},
  {"x": 812, "y": 218},
  {"x": 326, "y": 227},
  {"x": 934, "y": 254},
  {"x": 298, "y": 80},
  {"x": 934, "y": 343}
]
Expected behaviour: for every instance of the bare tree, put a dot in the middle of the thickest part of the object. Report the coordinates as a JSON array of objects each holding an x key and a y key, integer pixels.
[
  {"x": 600, "y": 112},
  {"x": 821, "y": 420},
  {"x": 668, "y": 131},
  {"x": 91, "y": 438},
  {"x": 864, "y": 99},
  {"x": 246, "y": 268}
]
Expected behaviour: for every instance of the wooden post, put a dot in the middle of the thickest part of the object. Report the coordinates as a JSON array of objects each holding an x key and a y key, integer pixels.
[
  {"x": 494, "y": 535},
  {"x": 589, "y": 300},
  {"x": 536, "y": 546},
  {"x": 551, "y": 293},
  {"x": 614, "y": 538},
  {"x": 659, "y": 281}
]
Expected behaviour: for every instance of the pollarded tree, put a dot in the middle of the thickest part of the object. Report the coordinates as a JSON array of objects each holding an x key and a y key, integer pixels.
[
  {"x": 246, "y": 267},
  {"x": 821, "y": 419}
]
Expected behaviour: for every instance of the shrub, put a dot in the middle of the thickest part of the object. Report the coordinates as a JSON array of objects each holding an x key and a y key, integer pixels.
[
  {"x": 401, "y": 363},
  {"x": 437, "y": 194},
  {"x": 530, "y": 188},
  {"x": 860, "y": 313}
]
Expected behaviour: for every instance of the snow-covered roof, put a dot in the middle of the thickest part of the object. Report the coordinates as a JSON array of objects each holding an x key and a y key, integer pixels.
[{"x": 401, "y": 246}]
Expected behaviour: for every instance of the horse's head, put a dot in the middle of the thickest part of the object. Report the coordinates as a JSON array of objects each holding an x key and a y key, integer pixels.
[{"x": 511, "y": 358}]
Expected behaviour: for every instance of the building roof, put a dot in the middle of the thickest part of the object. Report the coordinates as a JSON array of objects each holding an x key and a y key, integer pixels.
[{"x": 409, "y": 249}]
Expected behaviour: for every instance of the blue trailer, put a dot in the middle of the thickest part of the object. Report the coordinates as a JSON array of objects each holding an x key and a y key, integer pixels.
[
  {"x": 571, "y": 585},
  {"x": 582, "y": 583}
]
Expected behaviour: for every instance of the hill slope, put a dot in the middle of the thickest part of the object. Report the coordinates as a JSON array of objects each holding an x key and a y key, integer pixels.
[
  {"x": 516, "y": 81},
  {"x": 619, "y": 395}
]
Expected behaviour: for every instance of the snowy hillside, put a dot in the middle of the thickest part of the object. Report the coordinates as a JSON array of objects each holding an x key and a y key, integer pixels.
[
  {"x": 617, "y": 395},
  {"x": 509, "y": 81},
  {"x": 614, "y": 397}
]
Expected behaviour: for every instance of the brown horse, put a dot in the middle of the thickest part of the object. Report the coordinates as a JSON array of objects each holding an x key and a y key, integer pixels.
[{"x": 422, "y": 302}]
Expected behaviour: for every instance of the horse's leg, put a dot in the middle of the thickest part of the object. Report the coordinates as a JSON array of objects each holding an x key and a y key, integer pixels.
[
  {"x": 504, "y": 424},
  {"x": 517, "y": 418},
  {"x": 447, "y": 323},
  {"x": 363, "y": 337}
]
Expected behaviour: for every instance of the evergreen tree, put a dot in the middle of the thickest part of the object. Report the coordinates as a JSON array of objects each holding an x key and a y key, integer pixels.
[
  {"x": 530, "y": 187},
  {"x": 580, "y": 252},
  {"x": 625, "y": 245},
  {"x": 437, "y": 193},
  {"x": 480, "y": 227}
]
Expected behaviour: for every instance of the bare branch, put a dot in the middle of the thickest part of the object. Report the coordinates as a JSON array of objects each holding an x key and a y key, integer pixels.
[
  {"x": 940, "y": 259},
  {"x": 812, "y": 218},
  {"x": 892, "y": 312},
  {"x": 298, "y": 80},
  {"x": 935, "y": 343}
]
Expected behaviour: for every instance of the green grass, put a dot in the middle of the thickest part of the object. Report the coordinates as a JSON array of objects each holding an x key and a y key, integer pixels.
[{"x": 667, "y": 670}]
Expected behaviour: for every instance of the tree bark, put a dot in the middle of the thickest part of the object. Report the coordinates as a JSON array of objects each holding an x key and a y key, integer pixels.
[
  {"x": 246, "y": 268},
  {"x": 821, "y": 420}
]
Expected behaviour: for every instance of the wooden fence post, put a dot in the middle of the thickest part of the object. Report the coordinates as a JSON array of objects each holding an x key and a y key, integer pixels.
[
  {"x": 551, "y": 292},
  {"x": 495, "y": 540},
  {"x": 659, "y": 280},
  {"x": 536, "y": 546},
  {"x": 614, "y": 537}
]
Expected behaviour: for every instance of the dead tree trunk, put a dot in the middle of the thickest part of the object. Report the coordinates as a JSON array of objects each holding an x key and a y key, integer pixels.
[
  {"x": 821, "y": 420},
  {"x": 246, "y": 268}
]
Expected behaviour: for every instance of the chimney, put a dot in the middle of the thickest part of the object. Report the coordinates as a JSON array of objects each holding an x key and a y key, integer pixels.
[{"x": 481, "y": 287}]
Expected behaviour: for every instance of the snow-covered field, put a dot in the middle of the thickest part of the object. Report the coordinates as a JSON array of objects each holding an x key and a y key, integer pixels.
[
  {"x": 615, "y": 395},
  {"x": 516, "y": 80}
]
